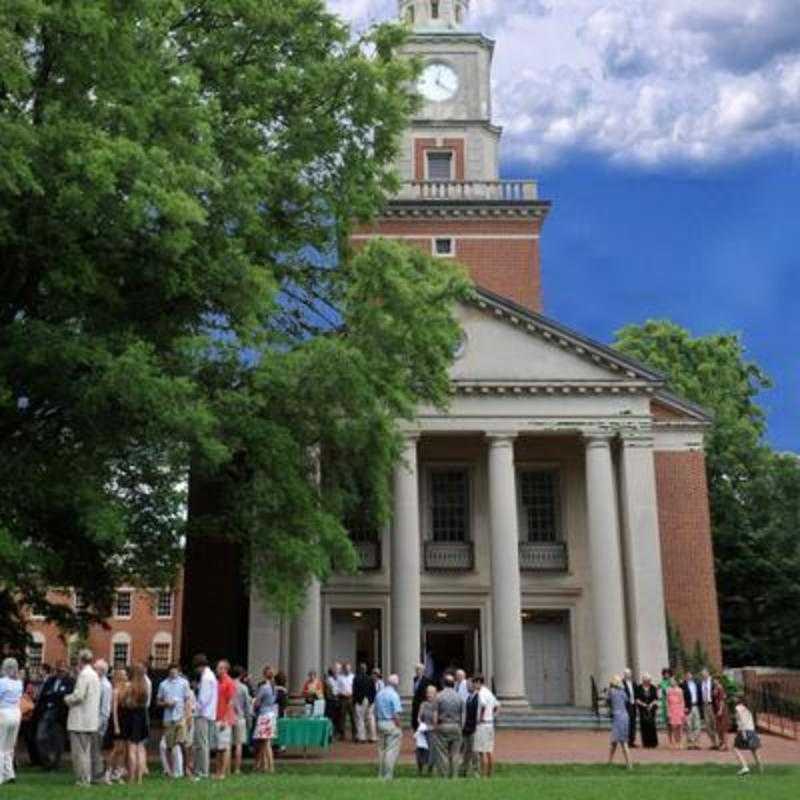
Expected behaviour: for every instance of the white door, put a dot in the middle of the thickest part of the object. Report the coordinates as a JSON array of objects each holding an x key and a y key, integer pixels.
[
  {"x": 343, "y": 638},
  {"x": 548, "y": 672}
]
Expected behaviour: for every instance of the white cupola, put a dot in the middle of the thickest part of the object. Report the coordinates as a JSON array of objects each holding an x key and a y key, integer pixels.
[{"x": 434, "y": 14}]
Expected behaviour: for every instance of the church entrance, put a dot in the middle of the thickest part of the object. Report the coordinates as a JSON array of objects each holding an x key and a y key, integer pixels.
[
  {"x": 548, "y": 661},
  {"x": 356, "y": 636},
  {"x": 451, "y": 641}
]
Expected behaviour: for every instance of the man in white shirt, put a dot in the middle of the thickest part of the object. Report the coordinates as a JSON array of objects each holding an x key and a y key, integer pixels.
[
  {"x": 83, "y": 720},
  {"x": 709, "y": 718},
  {"x": 344, "y": 688},
  {"x": 99, "y": 774},
  {"x": 483, "y": 743},
  {"x": 206, "y": 717},
  {"x": 461, "y": 684}
]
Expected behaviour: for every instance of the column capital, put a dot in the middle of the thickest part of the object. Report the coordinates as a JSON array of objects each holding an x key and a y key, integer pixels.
[
  {"x": 501, "y": 438},
  {"x": 411, "y": 437},
  {"x": 643, "y": 441},
  {"x": 598, "y": 439}
]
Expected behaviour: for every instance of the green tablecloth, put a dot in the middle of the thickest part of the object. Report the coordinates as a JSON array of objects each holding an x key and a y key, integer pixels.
[{"x": 305, "y": 732}]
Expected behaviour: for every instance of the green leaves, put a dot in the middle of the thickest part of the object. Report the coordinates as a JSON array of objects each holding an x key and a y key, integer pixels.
[{"x": 177, "y": 183}]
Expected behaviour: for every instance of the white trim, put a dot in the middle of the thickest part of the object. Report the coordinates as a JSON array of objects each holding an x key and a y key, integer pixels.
[
  {"x": 171, "y": 593},
  {"x": 162, "y": 637},
  {"x": 121, "y": 637},
  {"x": 466, "y": 236},
  {"x": 434, "y": 251}
]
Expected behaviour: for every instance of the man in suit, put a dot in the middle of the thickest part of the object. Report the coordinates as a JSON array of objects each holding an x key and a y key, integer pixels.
[
  {"x": 631, "y": 689},
  {"x": 83, "y": 720},
  {"x": 469, "y": 758},
  {"x": 364, "y": 692},
  {"x": 709, "y": 711},
  {"x": 693, "y": 703},
  {"x": 50, "y": 717},
  {"x": 421, "y": 684}
]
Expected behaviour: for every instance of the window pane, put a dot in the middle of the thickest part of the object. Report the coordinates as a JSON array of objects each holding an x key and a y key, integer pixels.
[
  {"x": 434, "y": 9},
  {"x": 164, "y": 608},
  {"x": 124, "y": 603},
  {"x": 120, "y": 654},
  {"x": 539, "y": 494},
  {"x": 450, "y": 506},
  {"x": 35, "y": 655},
  {"x": 440, "y": 166},
  {"x": 161, "y": 654},
  {"x": 444, "y": 247}
]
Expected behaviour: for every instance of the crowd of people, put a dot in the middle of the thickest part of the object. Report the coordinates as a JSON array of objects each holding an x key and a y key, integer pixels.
[
  {"x": 686, "y": 708},
  {"x": 218, "y": 712}
]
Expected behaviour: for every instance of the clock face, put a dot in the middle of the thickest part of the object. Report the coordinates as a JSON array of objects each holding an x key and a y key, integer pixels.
[{"x": 438, "y": 82}]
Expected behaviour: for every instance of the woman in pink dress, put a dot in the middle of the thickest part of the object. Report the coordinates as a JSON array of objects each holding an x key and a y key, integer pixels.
[{"x": 676, "y": 714}]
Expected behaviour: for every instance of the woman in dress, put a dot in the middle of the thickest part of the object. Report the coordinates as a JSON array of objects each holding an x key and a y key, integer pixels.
[
  {"x": 663, "y": 688},
  {"x": 747, "y": 739},
  {"x": 264, "y": 729},
  {"x": 722, "y": 717},
  {"x": 620, "y": 727},
  {"x": 676, "y": 714},
  {"x": 427, "y": 711},
  {"x": 647, "y": 703},
  {"x": 119, "y": 722},
  {"x": 136, "y": 728},
  {"x": 11, "y": 689}
]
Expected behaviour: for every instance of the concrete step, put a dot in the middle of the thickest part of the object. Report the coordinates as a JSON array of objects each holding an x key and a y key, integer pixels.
[{"x": 548, "y": 719}]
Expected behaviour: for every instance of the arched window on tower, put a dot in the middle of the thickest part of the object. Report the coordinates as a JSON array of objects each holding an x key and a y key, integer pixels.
[
  {"x": 410, "y": 15},
  {"x": 434, "y": 9},
  {"x": 459, "y": 13}
]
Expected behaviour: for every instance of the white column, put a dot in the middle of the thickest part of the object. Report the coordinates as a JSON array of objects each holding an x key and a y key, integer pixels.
[
  {"x": 608, "y": 598},
  {"x": 507, "y": 645},
  {"x": 642, "y": 541},
  {"x": 405, "y": 568},
  {"x": 306, "y": 639}
]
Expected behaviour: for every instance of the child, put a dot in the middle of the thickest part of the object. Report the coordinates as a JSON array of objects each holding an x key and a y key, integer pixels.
[{"x": 747, "y": 739}]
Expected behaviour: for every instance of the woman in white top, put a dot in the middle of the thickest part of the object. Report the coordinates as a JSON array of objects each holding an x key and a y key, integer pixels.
[
  {"x": 747, "y": 738},
  {"x": 10, "y": 717}
]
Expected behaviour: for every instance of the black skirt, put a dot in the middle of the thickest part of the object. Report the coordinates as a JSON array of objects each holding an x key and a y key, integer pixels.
[{"x": 134, "y": 725}]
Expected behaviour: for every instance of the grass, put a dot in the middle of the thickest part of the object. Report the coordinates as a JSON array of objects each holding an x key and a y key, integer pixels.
[{"x": 319, "y": 781}]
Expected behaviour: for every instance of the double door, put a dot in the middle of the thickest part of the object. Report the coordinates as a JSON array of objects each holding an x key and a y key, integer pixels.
[{"x": 548, "y": 662}]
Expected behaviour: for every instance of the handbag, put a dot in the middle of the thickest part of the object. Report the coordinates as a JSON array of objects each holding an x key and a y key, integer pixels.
[{"x": 26, "y": 707}]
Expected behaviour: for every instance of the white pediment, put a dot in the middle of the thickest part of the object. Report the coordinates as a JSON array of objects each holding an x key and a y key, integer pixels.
[{"x": 509, "y": 345}]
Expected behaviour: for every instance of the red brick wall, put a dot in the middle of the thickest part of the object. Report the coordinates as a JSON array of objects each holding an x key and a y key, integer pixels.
[
  {"x": 142, "y": 627},
  {"x": 422, "y": 145},
  {"x": 507, "y": 267},
  {"x": 686, "y": 549}
]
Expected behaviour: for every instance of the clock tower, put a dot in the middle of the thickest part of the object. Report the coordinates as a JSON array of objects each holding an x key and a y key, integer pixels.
[{"x": 452, "y": 202}]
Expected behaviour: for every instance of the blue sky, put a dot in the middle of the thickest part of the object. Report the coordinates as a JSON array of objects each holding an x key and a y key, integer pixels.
[
  {"x": 667, "y": 133},
  {"x": 713, "y": 250}
]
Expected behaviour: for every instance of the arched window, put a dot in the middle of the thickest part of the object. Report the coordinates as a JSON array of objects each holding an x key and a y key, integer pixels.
[
  {"x": 120, "y": 655},
  {"x": 459, "y": 13},
  {"x": 161, "y": 650},
  {"x": 35, "y": 651},
  {"x": 434, "y": 9},
  {"x": 410, "y": 15}
]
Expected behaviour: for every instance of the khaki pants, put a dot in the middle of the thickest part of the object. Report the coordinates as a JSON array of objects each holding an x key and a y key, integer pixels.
[
  {"x": 9, "y": 729},
  {"x": 98, "y": 765},
  {"x": 447, "y": 746},
  {"x": 710, "y": 724},
  {"x": 365, "y": 722},
  {"x": 81, "y": 746},
  {"x": 389, "y": 738},
  {"x": 694, "y": 725},
  {"x": 469, "y": 758},
  {"x": 202, "y": 746}
]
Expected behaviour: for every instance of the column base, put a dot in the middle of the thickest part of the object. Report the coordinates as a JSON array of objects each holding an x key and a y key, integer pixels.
[{"x": 514, "y": 705}]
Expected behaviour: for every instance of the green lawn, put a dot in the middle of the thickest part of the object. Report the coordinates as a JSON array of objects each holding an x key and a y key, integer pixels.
[{"x": 355, "y": 782}]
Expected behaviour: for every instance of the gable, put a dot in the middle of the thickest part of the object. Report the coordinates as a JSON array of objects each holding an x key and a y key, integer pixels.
[{"x": 506, "y": 344}]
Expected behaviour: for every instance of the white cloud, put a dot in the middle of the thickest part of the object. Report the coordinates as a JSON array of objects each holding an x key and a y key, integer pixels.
[{"x": 651, "y": 82}]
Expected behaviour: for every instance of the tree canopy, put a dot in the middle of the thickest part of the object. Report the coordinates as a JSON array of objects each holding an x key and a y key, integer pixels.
[
  {"x": 177, "y": 182},
  {"x": 754, "y": 491}
]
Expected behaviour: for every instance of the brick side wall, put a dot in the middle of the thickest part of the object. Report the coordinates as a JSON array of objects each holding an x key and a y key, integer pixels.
[
  {"x": 686, "y": 549},
  {"x": 142, "y": 628},
  {"x": 507, "y": 267}
]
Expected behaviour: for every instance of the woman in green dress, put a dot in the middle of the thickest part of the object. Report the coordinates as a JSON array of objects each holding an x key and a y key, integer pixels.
[{"x": 663, "y": 687}]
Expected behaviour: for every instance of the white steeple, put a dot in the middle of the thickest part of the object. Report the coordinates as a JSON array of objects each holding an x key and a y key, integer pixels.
[{"x": 434, "y": 14}]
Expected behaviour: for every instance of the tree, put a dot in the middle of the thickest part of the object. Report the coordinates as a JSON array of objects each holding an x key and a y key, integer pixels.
[
  {"x": 177, "y": 182},
  {"x": 754, "y": 492}
]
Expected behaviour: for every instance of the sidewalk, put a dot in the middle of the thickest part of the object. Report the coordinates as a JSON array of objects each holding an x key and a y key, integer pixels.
[{"x": 581, "y": 747}]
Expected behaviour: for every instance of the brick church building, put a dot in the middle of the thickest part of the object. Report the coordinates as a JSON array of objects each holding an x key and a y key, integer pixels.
[{"x": 550, "y": 521}]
